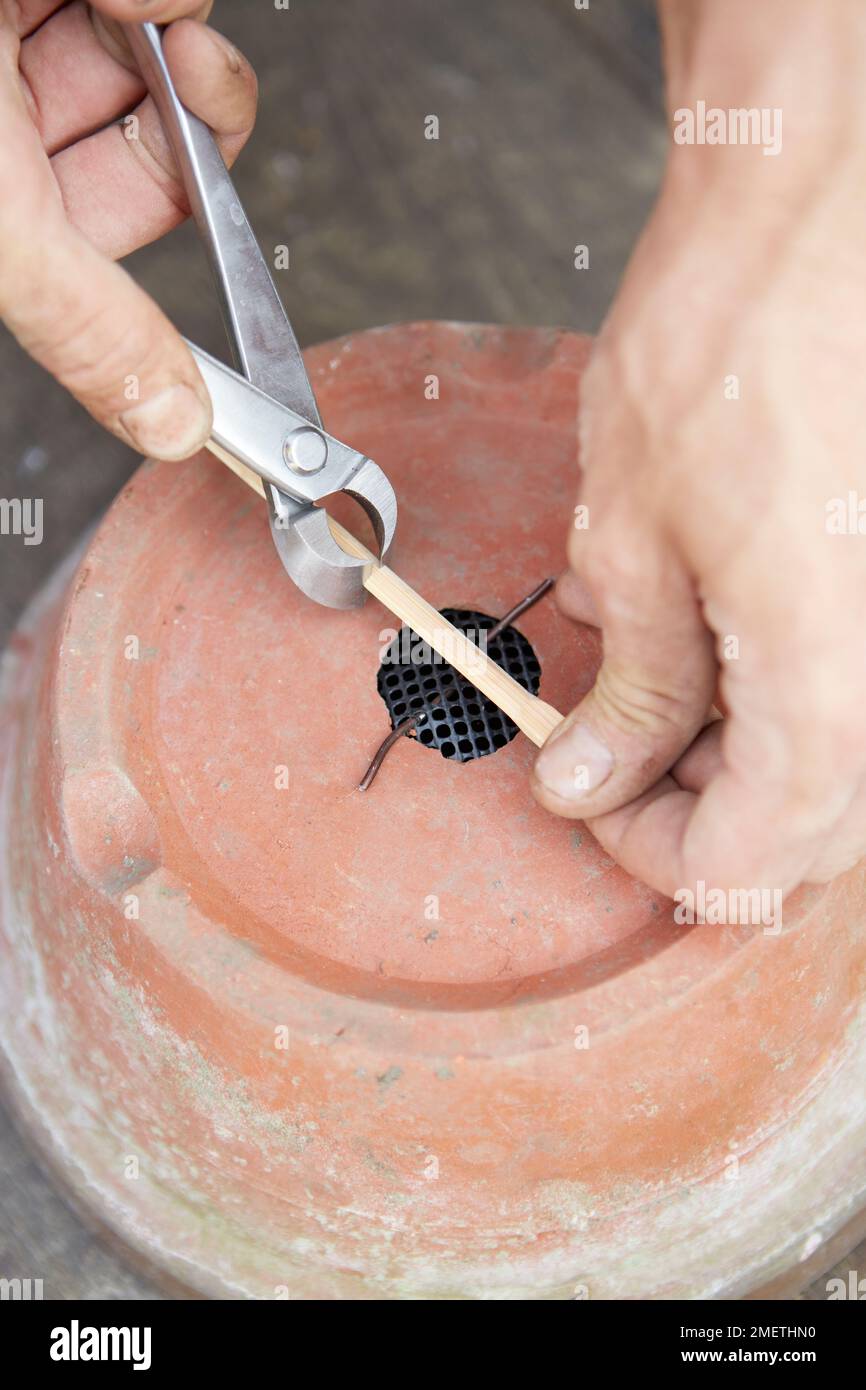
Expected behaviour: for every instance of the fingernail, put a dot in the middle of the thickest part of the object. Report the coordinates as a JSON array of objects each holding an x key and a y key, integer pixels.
[
  {"x": 171, "y": 425},
  {"x": 574, "y": 762},
  {"x": 234, "y": 58}
]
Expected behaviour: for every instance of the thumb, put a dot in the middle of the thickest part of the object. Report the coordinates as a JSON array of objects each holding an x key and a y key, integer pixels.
[
  {"x": 104, "y": 339},
  {"x": 655, "y": 685}
]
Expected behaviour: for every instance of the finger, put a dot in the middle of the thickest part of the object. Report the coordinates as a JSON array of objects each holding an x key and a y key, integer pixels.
[
  {"x": 27, "y": 15},
  {"x": 767, "y": 799},
  {"x": 841, "y": 849},
  {"x": 81, "y": 316},
  {"x": 733, "y": 836},
  {"x": 115, "y": 38},
  {"x": 137, "y": 11},
  {"x": 73, "y": 84},
  {"x": 703, "y": 759},
  {"x": 655, "y": 685},
  {"x": 212, "y": 77},
  {"x": 91, "y": 326},
  {"x": 646, "y": 836},
  {"x": 124, "y": 192},
  {"x": 78, "y": 73},
  {"x": 758, "y": 801},
  {"x": 574, "y": 599}
]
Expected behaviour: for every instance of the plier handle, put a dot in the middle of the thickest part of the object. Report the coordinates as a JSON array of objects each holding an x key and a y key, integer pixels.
[{"x": 265, "y": 412}]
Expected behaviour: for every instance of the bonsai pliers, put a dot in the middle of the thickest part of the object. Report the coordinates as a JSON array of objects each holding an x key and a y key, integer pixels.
[{"x": 265, "y": 413}]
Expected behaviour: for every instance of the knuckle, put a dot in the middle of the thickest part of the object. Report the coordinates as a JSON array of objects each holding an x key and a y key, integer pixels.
[
  {"x": 609, "y": 564},
  {"x": 94, "y": 353},
  {"x": 636, "y": 706},
  {"x": 815, "y": 792},
  {"x": 819, "y": 724}
]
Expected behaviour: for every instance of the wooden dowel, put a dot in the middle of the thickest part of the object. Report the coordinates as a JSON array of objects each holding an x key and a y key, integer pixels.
[{"x": 534, "y": 717}]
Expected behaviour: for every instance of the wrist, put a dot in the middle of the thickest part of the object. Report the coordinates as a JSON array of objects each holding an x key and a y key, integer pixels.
[{"x": 765, "y": 92}]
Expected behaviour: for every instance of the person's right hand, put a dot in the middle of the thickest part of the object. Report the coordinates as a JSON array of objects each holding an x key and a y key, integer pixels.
[
  {"x": 76, "y": 193},
  {"x": 722, "y": 427}
]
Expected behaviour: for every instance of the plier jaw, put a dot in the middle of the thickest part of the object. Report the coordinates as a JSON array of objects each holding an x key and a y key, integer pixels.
[
  {"x": 318, "y": 566},
  {"x": 265, "y": 413},
  {"x": 300, "y": 465}
]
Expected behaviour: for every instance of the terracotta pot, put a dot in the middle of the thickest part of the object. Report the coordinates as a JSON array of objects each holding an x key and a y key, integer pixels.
[{"x": 427, "y": 1041}]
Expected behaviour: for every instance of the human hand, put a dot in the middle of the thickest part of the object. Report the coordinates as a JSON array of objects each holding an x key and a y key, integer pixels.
[
  {"x": 723, "y": 418},
  {"x": 76, "y": 193}
]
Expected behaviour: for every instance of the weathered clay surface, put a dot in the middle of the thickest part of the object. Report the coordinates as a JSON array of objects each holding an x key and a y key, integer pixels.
[{"x": 192, "y": 881}]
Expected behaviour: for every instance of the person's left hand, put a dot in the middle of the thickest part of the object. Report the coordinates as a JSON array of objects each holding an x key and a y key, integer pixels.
[{"x": 86, "y": 176}]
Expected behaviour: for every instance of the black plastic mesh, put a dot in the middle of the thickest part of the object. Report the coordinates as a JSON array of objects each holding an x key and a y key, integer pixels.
[{"x": 453, "y": 716}]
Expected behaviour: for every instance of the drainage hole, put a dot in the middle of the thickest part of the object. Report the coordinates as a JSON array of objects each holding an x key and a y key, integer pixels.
[{"x": 457, "y": 719}]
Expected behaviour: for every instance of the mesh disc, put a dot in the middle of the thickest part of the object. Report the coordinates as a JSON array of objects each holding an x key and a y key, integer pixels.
[{"x": 453, "y": 716}]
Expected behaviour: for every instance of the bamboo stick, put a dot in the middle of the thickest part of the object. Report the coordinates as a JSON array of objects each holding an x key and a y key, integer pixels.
[{"x": 534, "y": 717}]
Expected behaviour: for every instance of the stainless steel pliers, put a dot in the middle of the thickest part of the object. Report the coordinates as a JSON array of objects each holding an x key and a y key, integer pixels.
[{"x": 267, "y": 417}]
